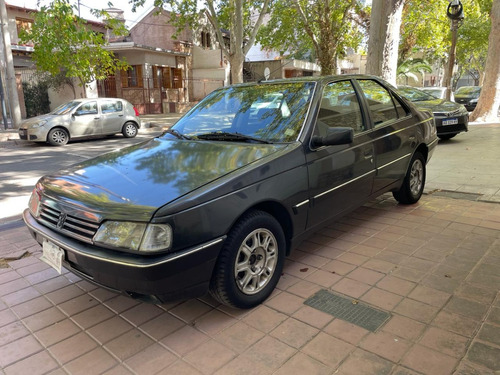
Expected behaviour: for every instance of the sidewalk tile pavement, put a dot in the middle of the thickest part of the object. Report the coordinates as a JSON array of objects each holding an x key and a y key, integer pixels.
[{"x": 434, "y": 266}]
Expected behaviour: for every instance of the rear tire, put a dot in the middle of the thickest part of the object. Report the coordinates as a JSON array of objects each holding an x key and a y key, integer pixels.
[
  {"x": 58, "y": 137},
  {"x": 251, "y": 261},
  {"x": 414, "y": 182},
  {"x": 129, "y": 130}
]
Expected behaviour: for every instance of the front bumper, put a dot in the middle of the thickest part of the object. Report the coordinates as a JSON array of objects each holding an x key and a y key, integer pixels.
[
  {"x": 35, "y": 135},
  {"x": 154, "y": 278}
]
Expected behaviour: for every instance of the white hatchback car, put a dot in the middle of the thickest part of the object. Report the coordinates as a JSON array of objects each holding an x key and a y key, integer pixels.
[{"x": 81, "y": 118}]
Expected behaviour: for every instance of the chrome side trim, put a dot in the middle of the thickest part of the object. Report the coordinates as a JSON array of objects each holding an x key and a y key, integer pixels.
[
  {"x": 395, "y": 161},
  {"x": 301, "y": 203},
  {"x": 71, "y": 246},
  {"x": 344, "y": 184}
]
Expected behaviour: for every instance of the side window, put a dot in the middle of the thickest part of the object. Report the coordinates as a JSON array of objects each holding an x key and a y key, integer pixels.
[
  {"x": 380, "y": 102},
  {"x": 111, "y": 106},
  {"x": 89, "y": 108},
  {"x": 339, "y": 108},
  {"x": 402, "y": 111}
]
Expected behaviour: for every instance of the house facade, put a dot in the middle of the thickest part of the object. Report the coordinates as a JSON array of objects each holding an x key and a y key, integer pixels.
[{"x": 169, "y": 72}]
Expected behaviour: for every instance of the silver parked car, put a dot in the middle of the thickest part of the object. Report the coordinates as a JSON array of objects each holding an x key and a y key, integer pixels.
[{"x": 82, "y": 118}]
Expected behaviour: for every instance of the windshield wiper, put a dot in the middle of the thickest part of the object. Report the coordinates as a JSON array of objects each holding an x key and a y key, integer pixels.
[
  {"x": 177, "y": 134},
  {"x": 225, "y": 136}
]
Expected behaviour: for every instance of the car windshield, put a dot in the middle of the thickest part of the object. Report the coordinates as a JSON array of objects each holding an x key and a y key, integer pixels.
[
  {"x": 472, "y": 91},
  {"x": 65, "y": 108},
  {"x": 415, "y": 95},
  {"x": 263, "y": 112}
]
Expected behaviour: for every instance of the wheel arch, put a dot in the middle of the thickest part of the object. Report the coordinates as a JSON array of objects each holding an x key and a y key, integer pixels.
[
  {"x": 58, "y": 127},
  {"x": 424, "y": 150},
  {"x": 279, "y": 212}
]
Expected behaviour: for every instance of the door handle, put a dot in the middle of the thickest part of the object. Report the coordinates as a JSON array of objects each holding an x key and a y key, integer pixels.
[{"x": 96, "y": 118}]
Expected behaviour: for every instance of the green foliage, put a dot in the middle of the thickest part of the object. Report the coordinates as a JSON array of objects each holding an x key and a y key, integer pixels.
[
  {"x": 36, "y": 98},
  {"x": 409, "y": 67},
  {"x": 323, "y": 27},
  {"x": 426, "y": 29},
  {"x": 64, "y": 42}
]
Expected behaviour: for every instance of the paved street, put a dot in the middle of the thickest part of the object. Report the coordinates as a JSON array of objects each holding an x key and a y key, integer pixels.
[
  {"x": 23, "y": 163},
  {"x": 433, "y": 266}
]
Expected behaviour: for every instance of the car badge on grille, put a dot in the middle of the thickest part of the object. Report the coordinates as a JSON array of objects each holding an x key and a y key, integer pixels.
[{"x": 61, "y": 220}]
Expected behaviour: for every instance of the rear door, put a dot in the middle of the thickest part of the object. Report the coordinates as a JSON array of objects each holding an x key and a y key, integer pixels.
[
  {"x": 112, "y": 118},
  {"x": 394, "y": 133},
  {"x": 340, "y": 177}
]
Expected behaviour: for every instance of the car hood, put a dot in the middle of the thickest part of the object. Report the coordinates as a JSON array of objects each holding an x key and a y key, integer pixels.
[
  {"x": 138, "y": 180},
  {"x": 439, "y": 106},
  {"x": 35, "y": 120}
]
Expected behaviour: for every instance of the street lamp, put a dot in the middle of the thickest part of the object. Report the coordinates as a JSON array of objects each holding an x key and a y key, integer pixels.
[{"x": 455, "y": 13}]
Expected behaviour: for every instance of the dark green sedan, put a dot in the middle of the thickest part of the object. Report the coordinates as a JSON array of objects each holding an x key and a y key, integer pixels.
[{"x": 217, "y": 202}]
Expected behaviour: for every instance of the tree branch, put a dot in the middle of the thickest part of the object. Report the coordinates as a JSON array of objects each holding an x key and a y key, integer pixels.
[
  {"x": 256, "y": 27},
  {"x": 212, "y": 17},
  {"x": 307, "y": 27}
]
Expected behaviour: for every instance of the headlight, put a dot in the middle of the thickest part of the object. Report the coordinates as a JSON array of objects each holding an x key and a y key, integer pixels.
[
  {"x": 34, "y": 203},
  {"x": 38, "y": 124},
  {"x": 135, "y": 236},
  {"x": 473, "y": 101}
]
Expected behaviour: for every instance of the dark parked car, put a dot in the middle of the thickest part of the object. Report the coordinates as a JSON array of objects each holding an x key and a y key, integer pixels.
[
  {"x": 468, "y": 96},
  {"x": 451, "y": 118},
  {"x": 217, "y": 202},
  {"x": 82, "y": 118}
]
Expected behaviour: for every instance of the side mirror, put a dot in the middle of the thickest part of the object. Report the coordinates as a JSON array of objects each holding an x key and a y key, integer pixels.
[{"x": 335, "y": 136}]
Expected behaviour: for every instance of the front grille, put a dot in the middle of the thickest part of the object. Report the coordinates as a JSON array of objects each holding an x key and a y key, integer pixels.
[{"x": 72, "y": 226}]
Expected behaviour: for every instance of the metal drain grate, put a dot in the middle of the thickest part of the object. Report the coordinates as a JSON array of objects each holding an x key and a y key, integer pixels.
[
  {"x": 457, "y": 195},
  {"x": 356, "y": 313}
]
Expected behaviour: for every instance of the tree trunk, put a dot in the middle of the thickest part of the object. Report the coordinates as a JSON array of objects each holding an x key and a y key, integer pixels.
[
  {"x": 448, "y": 72},
  {"x": 376, "y": 39},
  {"x": 391, "y": 45},
  {"x": 489, "y": 101},
  {"x": 236, "y": 62},
  {"x": 383, "y": 44}
]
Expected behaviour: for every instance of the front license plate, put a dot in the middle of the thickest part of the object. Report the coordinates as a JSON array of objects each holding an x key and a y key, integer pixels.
[
  {"x": 52, "y": 255},
  {"x": 450, "y": 121}
]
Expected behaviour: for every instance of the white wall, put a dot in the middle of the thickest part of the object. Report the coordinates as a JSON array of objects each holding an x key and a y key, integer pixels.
[{"x": 65, "y": 94}]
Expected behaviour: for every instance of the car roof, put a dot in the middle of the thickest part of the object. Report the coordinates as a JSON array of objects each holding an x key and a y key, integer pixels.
[{"x": 319, "y": 79}]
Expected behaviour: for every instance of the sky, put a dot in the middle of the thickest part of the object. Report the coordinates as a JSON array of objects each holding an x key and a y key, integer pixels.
[{"x": 86, "y": 5}]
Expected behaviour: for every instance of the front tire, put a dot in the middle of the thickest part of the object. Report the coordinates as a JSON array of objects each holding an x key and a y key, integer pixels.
[
  {"x": 251, "y": 261},
  {"x": 413, "y": 184},
  {"x": 129, "y": 130},
  {"x": 58, "y": 137}
]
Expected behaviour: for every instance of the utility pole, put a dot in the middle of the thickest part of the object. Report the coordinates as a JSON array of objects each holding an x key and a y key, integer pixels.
[
  {"x": 10, "y": 79},
  {"x": 455, "y": 13},
  {"x": 2, "y": 103}
]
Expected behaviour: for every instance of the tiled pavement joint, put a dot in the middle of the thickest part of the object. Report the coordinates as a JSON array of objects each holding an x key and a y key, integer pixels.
[{"x": 433, "y": 266}]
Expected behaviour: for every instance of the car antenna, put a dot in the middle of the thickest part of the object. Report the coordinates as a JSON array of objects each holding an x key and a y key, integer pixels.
[{"x": 275, "y": 70}]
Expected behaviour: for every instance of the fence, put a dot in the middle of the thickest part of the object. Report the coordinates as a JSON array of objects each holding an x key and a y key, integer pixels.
[{"x": 152, "y": 96}]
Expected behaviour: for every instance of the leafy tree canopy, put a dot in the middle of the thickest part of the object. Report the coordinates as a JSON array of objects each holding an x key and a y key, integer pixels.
[
  {"x": 426, "y": 29},
  {"x": 64, "y": 42},
  {"x": 242, "y": 18},
  {"x": 323, "y": 27}
]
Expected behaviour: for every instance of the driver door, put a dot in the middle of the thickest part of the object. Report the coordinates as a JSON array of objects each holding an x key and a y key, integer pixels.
[
  {"x": 85, "y": 120},
  {"x": 340, "y": 176}
]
